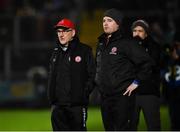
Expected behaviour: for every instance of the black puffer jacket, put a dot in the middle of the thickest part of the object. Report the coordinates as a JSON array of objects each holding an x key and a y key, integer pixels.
[
  {"x": 71, "y": 74},
  {"x": 117, "y": 62},
  {"x": 152, "y": 85}
]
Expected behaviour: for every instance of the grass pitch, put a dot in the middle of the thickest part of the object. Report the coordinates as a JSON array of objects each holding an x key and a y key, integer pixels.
[{"x": 39, "y": 120}]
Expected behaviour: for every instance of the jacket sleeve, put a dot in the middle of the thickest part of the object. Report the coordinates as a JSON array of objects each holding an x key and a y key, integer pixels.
[
  {"x": 90, "y": 62},
  {"x": 141, "y": 59},
  {"x": 51, "y": 80}
]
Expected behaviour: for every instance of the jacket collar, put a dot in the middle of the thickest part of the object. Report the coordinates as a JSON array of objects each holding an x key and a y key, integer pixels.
[
  {"x": 115, "y": 36},
  {"x": 145, "y": 42},
  {"x": 72, "y": 44}
]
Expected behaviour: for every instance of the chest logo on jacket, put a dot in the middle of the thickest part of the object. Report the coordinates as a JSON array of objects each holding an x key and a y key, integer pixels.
[
  {"x": 113, "y": 51},
  {"x": 78, "y": 59},
  {"x": 169, "y": 74},
  {"x": 54, "y": 59}
]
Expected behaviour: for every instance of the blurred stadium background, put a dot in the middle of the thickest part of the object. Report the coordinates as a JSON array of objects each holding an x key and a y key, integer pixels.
[{"x": 27, "y": 39}]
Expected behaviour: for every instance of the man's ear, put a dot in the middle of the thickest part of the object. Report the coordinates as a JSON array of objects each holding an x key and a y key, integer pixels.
[
  {"x": 146, "y": 35},
  {"x": 73, "y": 32}
]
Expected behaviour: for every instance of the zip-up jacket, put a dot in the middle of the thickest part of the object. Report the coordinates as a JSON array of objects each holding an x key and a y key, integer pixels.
[
  {"x": 71, "y": 74},
  {"x": 117, "y": 60},
  {"x": 152, "y": 85}
]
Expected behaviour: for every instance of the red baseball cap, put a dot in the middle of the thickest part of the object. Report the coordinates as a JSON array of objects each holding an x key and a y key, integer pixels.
[{"x": 65, "y": 23}]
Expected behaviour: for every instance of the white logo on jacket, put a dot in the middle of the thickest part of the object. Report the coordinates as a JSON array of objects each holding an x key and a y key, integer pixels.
[
  {"x": 113, "y": 51},
  {"x": 77, "y": 58},
  {"x": 54, "y": 59}
]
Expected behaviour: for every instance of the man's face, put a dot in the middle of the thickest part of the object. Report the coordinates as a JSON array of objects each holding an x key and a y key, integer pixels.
[
  {"x": 109, "y": 25},
  {"x": 139, "y": 31},
  {"x": 65, "y": 35}
]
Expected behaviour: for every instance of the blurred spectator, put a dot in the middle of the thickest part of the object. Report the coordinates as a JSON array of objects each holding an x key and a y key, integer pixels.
[
  {"x": 24, "y": 8},
  {"x": 157, "y": 32},
  {"x": 38, "y": 75},
  {"x": 171, "y": 83}
]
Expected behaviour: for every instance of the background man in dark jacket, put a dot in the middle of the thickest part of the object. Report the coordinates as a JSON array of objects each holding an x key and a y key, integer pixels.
[
  {"x": 171, "y": 82},
  {"x": 116, "y": 77},
  {"x": 147, "y": 97},
  {"x": 71, "y": 77}
]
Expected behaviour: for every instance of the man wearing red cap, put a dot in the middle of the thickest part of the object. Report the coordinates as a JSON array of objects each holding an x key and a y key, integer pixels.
[{"x": 71, "y": 76}]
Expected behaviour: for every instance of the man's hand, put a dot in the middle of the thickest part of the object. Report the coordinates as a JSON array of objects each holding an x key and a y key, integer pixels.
[{"x": 131, "y": 88}]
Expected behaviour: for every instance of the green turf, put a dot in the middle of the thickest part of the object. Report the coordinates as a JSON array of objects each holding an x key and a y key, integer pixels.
[
  {"x": 25, "y": 120},
  {"x": 40, "y": 120},
  {"x": 165, "y": 123}
]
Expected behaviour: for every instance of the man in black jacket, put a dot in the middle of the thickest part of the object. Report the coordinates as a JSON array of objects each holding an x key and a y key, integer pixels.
[
  {"x": 171, "y": 83},
  {"x": 148, "y": 93},
  {"x": 71, "y": 76},
  {"x": 116, "y": 75}
]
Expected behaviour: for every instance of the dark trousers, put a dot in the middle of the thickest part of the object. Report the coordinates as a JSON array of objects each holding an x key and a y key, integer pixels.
[
  {"x": 117, "y": 112},
  {"x": 150, "y": 106},
  {"x": 69, "y": 118},
  {"x": 174, "y": 112}
]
